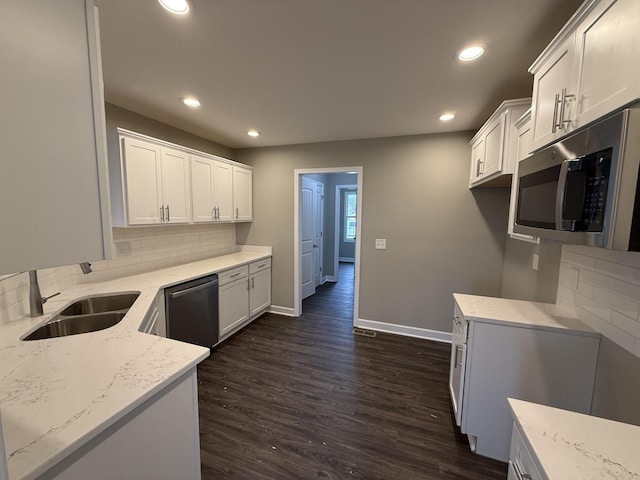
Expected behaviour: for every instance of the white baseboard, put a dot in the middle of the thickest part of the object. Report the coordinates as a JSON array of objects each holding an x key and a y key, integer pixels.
[
  {"x": 331, "y": 278},
  {"x": 346, "y": 260},
  {"x": 405, "y": 330},
  {"x": 286, "y": 311}
]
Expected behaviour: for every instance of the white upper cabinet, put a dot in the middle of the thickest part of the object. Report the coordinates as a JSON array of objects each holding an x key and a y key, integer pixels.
[
  {"x": 493, "y": 147},
  {"x": 588, "y": 71},
  {"x": 211, "y": 190},
  {"x": 157, "y": 183},
  {"x": 54, "y": 190},
  {"x": 242, "y": 194}
]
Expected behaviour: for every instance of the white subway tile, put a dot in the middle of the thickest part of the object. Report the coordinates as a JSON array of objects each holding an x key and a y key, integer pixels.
[
  {"x": 618, "y": 271},
  {"x": 616, "y": 302},
  {"x": 600, "y": 310},
  {"x": 626, "y": 324},
  {"x": 627, "y": 290},
  {"x": 616, "y": 335},
  {"x": 580, "y": 260}
]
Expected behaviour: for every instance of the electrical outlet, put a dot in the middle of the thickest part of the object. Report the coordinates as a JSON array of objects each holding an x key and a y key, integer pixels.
[
  {"x": 381, "y": 243},
  {"x": 575, "y": 277},
  {"x": 536, "y": 260},
  {"x": 123, "y": 248}
]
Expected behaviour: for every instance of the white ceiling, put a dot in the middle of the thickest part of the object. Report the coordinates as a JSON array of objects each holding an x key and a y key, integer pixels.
[{"x": 302, "y": 71}]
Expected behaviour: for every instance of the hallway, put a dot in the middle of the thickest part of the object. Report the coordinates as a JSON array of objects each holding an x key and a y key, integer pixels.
[{"x": 333, "y": 299}]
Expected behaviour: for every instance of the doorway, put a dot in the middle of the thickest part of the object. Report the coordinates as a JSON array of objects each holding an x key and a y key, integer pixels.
[{"x": 303, "y": 198}]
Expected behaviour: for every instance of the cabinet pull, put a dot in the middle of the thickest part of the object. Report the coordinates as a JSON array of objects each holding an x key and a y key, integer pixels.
[
  {"x": 520, "y": 473},
  {"x": 235, "y": 275},
  {"x": 458, "y": 356},
  {"x": 168, "y": 218},
  {"x": 162, "y": 213},
  {"x": 253, "y": 282},
  {"x": 565, "y": 97},
  {"x": 213, "y": 213},
  {"x": 556, "y": 124},
  {"x": 236, "y": 213},
  {"x": 217, "y": 213},
  {"x": 260, "y": 266}
]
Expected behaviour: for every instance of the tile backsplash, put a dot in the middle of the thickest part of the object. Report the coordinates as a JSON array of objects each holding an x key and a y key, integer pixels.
[
  {"x": 135, "y": 250},
  {"x": 604, "y": 287}
]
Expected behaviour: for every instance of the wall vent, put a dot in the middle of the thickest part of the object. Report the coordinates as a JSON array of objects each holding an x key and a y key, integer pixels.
[{"x": 363, "y": 332}]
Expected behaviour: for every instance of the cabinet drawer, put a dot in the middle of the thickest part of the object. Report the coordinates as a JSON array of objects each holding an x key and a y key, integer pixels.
[
  {"x": 260, "y": 265},
  {"x": 232, "y": 274},
  {"x": 520, "y": 459}
]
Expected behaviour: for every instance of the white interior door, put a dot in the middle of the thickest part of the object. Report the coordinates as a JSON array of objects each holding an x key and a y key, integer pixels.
[
  {"x": 307, "y": 193},
  {"x": 318, "y": 221}
]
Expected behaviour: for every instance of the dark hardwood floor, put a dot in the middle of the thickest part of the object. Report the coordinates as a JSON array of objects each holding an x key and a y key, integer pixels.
[{"x": 303, "y": 398}]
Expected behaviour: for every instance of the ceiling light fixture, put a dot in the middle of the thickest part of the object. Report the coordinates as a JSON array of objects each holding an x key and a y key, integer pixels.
[
  {"x": 470, "y": 53},
  {"x": 190, "y": 102},
  {"x": 253, "y": 133},
  {"x": 446, "y": 117},
  {"x": 179, "y": 7}
]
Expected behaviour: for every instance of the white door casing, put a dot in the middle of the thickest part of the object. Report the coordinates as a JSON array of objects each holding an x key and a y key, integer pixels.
[{"x": 318, "y": 223}]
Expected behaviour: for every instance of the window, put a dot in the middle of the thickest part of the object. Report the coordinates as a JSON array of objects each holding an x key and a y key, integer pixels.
[{"x": 350, "y": 201}]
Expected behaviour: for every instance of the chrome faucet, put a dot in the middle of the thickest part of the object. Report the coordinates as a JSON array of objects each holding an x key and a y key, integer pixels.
[{"x": 36, "y": 300}]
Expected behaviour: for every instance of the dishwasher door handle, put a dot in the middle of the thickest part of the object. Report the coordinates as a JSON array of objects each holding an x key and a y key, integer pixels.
[{"x": 192, "y": 289}]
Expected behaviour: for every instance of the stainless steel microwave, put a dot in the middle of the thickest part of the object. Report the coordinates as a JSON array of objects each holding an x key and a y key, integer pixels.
[{"x": 584, "y": 189}]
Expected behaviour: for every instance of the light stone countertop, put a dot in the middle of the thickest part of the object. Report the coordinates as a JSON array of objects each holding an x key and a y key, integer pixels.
[
  {"x": 57, "y": 394},
  {"x": 521, "y": 313},
  {"x": 573, "y": 446}
]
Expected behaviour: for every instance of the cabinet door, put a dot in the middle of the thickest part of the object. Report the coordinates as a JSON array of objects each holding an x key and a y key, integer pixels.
[
  {"x": 223, "y": 191},
  {"x": 52, "y": 136},
  {"x": 202, "y": 185},
  {"x": 143, "y": 182},
  {"x": 176, "y": 196},
  {"x": 493, "y": 148},
  {"x": 242, "y": 194},
  {"x": 548, "y": 84},
  {"x": 259, "y": 291},
  {"x": 233, "y": 305},
  {"x": 477, "y": 160},
  {"x": 607, "y": 47}
]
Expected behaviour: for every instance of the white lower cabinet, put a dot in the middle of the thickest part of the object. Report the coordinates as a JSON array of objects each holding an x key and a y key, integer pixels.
[
  {"x": 159, "y": 439},
  {"x": 233, "y": 294},
  {"x": 259, "y": 287},
  {"x": 522, "y": 465},
  {"x": 155, "y": 321}
]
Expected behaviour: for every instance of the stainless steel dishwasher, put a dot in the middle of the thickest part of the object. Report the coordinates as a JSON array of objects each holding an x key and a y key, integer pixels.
[{"x": 192, "y": 311}]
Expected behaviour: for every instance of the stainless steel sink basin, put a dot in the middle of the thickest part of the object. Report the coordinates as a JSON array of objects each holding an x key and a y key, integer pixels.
[
  {"x": 99, "y": 304},
  {"x": 86, "y": 315},
  {"x": 63, "y": 326}
]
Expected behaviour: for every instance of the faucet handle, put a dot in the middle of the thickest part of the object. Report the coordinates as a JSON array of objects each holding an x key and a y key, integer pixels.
[{"x": 44, "y": 299}]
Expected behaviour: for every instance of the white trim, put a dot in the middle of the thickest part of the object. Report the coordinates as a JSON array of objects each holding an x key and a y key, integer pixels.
[
  {"x": 346, "y": 260},
  {"x": 286, "y": 311},
  {"x": 331, "y": 278},
  {"x": 435, "y": 335},
  {"x": 297, "y": 173}
]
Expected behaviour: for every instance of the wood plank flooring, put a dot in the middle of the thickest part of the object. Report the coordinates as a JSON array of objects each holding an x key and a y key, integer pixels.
[{"x": 304, "y": 398}]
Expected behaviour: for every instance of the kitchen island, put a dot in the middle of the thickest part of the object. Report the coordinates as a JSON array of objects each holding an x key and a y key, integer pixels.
[{"x": 59, "y": 396}]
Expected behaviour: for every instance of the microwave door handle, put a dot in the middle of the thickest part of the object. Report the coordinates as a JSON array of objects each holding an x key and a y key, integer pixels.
[{"x": 561, "y": 193}]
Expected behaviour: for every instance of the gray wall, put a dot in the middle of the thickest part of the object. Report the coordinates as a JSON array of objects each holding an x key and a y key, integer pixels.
[
  {"x": 441, "y": 237},
  {"x": 520, "y": 281}
]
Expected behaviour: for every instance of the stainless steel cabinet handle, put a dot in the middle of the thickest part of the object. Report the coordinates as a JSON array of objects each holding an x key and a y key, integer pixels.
[
  {"x": 162, "y": 213},
  {"x": 458, "y": 356},
  {"x": 260, "y": 266},
  {"x": 253, "y": 282},
  {"x": 556, "y": 124},
  {"x": 217, "y": 213},
  {"x": 235, "y": 275},
  {"x": 213, "y": 213},
  {"x": 520, "y": 473},
  {"x": 565, "y": 97},
  {"x": 478, "y": 165},
  {"x": 236, "y": 212},
  {"x": 168, "y": 217}
]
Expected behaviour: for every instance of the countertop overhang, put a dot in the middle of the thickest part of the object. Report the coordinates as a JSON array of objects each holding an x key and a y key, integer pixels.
[{"x": 57, "y": 394}]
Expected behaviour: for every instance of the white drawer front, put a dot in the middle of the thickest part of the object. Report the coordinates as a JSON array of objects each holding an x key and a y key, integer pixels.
[
  {"x": 232, "y": 274},
  {"x": 520, "y": 459},
  {"x": 260, "y": 265}
]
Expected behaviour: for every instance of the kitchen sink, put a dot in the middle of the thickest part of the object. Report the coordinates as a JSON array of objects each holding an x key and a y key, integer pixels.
[
  {"x": 100, "y": 304},
  {"x": 86, "y": 315}
]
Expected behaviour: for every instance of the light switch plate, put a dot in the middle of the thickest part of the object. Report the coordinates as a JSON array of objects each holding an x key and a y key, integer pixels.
[
  {"x": 381, "y": 243},
  {"x": 536, "y": 260}
]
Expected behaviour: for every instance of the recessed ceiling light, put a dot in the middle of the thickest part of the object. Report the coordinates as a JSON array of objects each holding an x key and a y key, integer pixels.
[
  {"x": 179, "y": 7},
  {"x": 470, "y": 53},
  {"x": 253, "y": 133},
  {"x": 445, "y": 117},
  {"x": 190, "y": 101}
]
